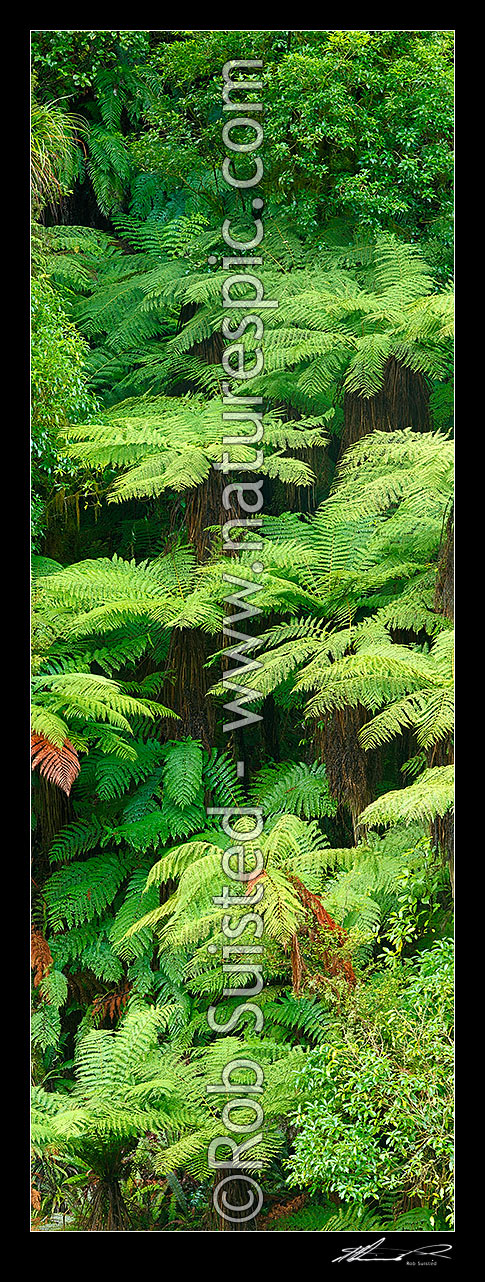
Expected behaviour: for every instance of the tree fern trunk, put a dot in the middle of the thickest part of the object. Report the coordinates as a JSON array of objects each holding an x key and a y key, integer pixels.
[
  {"x": 444, "y": 590},
  {"x": 204, "y": 509},
  {"x": 442, "y": 830},
  {"x": 443, "y": 827},
  {"x": 204, "y": 502},
  {"x": 108, "y": 1212},
  {"x": 402, "y": 401},
  {"x": 236, "y": 1192},
  {"x": 351, "y": 771},
  {"x": 189, "y": 648},
  {"x": 62, "y": 541},
  {"x": 52, "y": 810},
  {"x": 186, "y": 691},
  {"x": 303, "y": 498}
]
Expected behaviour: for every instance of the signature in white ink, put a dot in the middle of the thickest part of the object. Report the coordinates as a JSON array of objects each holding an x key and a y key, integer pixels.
[{"x": 373, "y": 1252}]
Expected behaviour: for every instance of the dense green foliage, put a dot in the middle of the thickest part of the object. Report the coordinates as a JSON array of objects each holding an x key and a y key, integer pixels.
[{"x": 351, "y": 645}]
